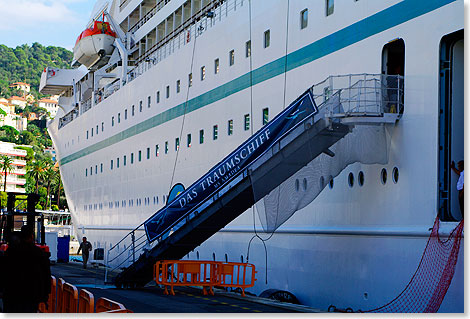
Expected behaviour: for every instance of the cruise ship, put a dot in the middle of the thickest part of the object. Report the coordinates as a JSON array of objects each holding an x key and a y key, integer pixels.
[{"x": 163, "y": 90}]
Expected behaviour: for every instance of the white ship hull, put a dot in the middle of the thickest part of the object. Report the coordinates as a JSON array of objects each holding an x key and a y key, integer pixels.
[{"x": 352, "y": 247}]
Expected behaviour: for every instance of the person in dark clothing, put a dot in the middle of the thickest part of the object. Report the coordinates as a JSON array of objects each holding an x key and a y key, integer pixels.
[
  {"x": 26, "y": 275},
  {"x": 459, "y": 170},
  {"x": 85, "y": 247}
]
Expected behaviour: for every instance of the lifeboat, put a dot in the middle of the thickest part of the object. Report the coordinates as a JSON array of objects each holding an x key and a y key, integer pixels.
[{"x": 94, "y": 44}]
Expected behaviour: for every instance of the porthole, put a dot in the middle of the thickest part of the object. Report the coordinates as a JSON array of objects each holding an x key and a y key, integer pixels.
[
  {"x": 304, "y": 184},
  {"x": 351, "y": 179},
  {"x": 332, "y": 182},
  {"x": 395, "y": 175},
  {"x": 383, "y": 176},
  {"x": 360, "y": 178},
  {"x": 297, "y": 185},
  {"x": 322, "y": 182}
]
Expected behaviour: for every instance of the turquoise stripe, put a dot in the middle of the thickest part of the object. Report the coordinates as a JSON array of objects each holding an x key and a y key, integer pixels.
[{"x": 383, "y": 20}]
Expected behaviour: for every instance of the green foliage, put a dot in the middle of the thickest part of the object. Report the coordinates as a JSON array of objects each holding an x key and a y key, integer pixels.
[
  {"x": 8, "y": 134},
  {"x": 54, "y": 207},
  {"x": 26, "y": 63},
  {"x": 38, "y": 206},
  {"x": 2, "y": 112},
  {"x": 3, "y": 199}
]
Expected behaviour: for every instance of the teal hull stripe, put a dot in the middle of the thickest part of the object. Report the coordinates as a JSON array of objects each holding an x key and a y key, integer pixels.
[{"x": 381, "y": 21}]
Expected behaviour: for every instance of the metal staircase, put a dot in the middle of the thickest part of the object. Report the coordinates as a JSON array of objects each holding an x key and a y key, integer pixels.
[{"x": 344, "y": 101}]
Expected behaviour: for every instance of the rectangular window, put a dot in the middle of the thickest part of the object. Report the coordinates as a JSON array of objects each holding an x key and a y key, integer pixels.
[
  {"x": 177, "y": 144},
  {"x": 203, "y": 73},
  {"x": 96, "y": 169},
  {"x": 189, "y": 140},
  {"x": 330, "y": 7},
  {"x": 148, "y": 152},
  {"x": 158, "y": 97},
  {"x": 149, "y": 101},
  {"x": 167, "y": 91},
  {"x": 230, "y": 127},
  {"x": 112, "y": 164},
  {"x": 157, "y": 150},
  {"x": 86, "y": 171},
  {"x": 247, "y": 122},
  {"x": 97, "y": 129},
  {"x": 178, "y": 86},
  {"x": 166, "y": 147},
  {"x": 119, "y": 117},
  {"x": 132, "y": 158},
  {"x": 303, "y": 18},
  {"x": 112, "y": 121},
  {"x": 216, "y": 66},
  {"x": 140, "y": 106},
  {"x": 190, "y": 79},
  {"x": 101, "y": 167},
  {"x": 125, "y": 114},
  {"x": 102, "y": 126},
  {"x": 201, "y": 136},
  {"x": 91, "y": 171},
  {"x": 124, "y": 160},
  {"x": 92, "y": 132},
  {"x": 86, "y": 134},
  {"x": 140, "y": 156},
  {"x": 133, "y": 110},
  {"x": 265, "y": 116},
  {"x": 248, "y": 49},
  {"x": 231, "y": 57},
  {"x": 267, "y": 38},
  {"x": 117, "y": 162},
  {"x": 215, "y": 132}
]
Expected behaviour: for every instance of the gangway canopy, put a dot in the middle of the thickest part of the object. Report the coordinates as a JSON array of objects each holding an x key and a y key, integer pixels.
[
  {"x": 295, "y": 137},
  {"x": 55, "y": 81}
]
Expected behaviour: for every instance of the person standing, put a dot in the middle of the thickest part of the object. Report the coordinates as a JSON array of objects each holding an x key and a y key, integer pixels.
[
  {"x": 85, "y": 247},
  {"x": 459, "y": 171},
  {"x": 26, "y": 275}
]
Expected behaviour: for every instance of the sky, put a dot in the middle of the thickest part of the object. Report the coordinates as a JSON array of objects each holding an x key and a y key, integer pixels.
[{"x": 49, "y": 22}]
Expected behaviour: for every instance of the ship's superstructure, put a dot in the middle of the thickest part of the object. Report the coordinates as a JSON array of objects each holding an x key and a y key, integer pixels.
[{"x": 182, "y": 83}]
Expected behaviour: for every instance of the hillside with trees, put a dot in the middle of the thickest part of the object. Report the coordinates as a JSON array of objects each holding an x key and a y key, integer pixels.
[{"x": 25, "y": 64}]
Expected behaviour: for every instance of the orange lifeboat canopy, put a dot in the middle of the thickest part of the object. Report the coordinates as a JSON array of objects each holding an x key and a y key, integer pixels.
[{"x": 99, "y": 27}]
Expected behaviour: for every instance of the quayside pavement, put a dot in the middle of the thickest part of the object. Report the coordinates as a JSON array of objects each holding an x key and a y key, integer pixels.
[{"x": 151, "y": 298}]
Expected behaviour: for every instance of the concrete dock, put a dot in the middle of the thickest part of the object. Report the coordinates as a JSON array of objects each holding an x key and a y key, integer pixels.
[{"x": 151, "y": 298}]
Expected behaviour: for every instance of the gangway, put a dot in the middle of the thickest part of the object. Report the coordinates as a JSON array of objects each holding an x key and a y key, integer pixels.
[{"x": 296, "y": 136}]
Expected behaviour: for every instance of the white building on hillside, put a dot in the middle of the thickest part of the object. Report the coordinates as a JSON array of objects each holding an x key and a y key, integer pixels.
[
  {"x": 18, "y": 101},
  {"x": 16, "y": 180},
  {"x": 50, "y": 105}
]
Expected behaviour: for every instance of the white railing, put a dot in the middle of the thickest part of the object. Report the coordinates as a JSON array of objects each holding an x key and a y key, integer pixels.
[{"x": 70, "y": 116}]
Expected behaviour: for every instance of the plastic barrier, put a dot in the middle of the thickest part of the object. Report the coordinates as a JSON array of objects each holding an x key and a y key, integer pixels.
[
  {"x": 172, "y": 273},
  {"x": 69, "y": 298},
  {"x": 60, "y": 290},
  {"x": 86, "y": 302},
  {"x": 107, "y": 305},
  {"x": 51, "y": 300}
]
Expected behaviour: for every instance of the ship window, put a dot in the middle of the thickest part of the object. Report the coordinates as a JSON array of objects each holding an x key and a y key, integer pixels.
[
  {"x": 203, "y": 73},
  {"x": 102, "y": 126},
  {"x": 248, "y": 49},
  {"x": 395, "y": 175},
  {"x": 178, "y": 86},
  {"x": 133, "y": 110},
  {"x": 158, "y": 97},
  {"x": 149, "y": 101},
  {"x": 140, "y": 106},
  {"x": 124, "y": 160},
  {"x": 216, "y": 66},
  {"x": 101, "y": 167},
  {"x": 167, "y": 91},
  {"x": 157, "y": 150},
  {"x": 166, "y": 147},
  {"x": 360, "y": 178},
  {"x": 96, "y": 169},
  {"x": 383, "y": 176},
  {"x": 213, "y": 256},
  {"x": 297, "y": 185},
  {"x": 148, "y": 152},
  {"x": 201, "y": 136},
  {"x": 112, "y": 164},
  {"x": 351, "y": 179},
  {"x": 190, "y": 79},
  {"x": 112, "y": 121},
  {"x": 177, "y": 144},
  {"x": 117, "y": 162},
  {"x": 189, "y": 140},
  {"x": 215, "y": 132},
  {"x": 86, "y": 134},
  {"x": 241, "y": 258},
  {"x": 332, "y": 182},
  {"x": 119, "y": 117},
  {"x": 91, "y": 132},
  {"x": 231, "y": 57},
  {"x": 330, "y": 7},
  {"x": 247, "y": 122},
  {"x": 265, "y": 116},
  {"x": 304, "y": 184},
  {"x": 132, "y": 158},
  {"x": 96, "y": 131},
  {"x": 230, "y": 127},
  {"x": 86, "y": 171},
  {"x": 303, "y": 18},
  {"x": 140, "y": 156},
  {"x": 267, "y": 38},
  {"x": 125, "y": 114}
]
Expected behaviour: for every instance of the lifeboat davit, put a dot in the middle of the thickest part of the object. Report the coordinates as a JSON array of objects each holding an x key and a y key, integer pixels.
[{"x": 94, "y": 44}]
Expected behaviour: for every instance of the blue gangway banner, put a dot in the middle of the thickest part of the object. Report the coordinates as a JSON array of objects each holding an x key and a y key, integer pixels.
[{"x": 226, "y": 169}]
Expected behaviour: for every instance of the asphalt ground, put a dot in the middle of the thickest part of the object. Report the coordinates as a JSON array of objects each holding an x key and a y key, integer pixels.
[{"x": 151, "y": 299}]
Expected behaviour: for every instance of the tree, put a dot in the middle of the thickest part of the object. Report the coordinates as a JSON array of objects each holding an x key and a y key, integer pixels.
[
  {"x": 49, "y": 176},
  {"x": 58, "y": 185},
  {"x": 36, "y": 170},
  {"x": 6, "y": 166}
]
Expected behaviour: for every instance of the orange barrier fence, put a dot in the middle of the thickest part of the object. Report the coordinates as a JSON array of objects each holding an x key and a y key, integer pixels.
[
  {"x": 86, "y": 302},
  {"x": 66, "y": 299},
  {"x": 173, "y": 273}
]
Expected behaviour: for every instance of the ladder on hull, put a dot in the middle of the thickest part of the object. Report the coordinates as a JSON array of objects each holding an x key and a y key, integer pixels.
[{"x": 295, "y": 148}]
